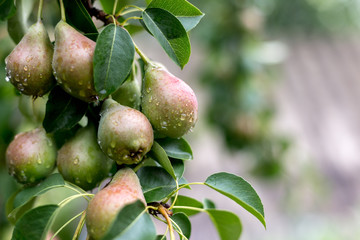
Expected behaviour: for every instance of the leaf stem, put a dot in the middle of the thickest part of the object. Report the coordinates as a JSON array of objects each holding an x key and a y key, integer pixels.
[
  {"x": 176, "y": 195},
  {"x": 164, "y": 212},
  {"x": 178, "y": 230},
  {"x": 114, "y": 7},
  {"x": 67, "y": 223},
  {"x": 178, "y": 188},
  {"x": 142, "y": 55},
  {"x": 62, "y": 9},
  {"x": 129, "y": 18},
  {"x": 190, "y": 208},
  {"x": 75, "y": 188},
  {"x": 126, "y": 7},
  {"x": 69, "y": 199},
  {"x": 79, "y": 226},
  {"x": 41, "y": 3},
  {"x": 130, "y": 11}
]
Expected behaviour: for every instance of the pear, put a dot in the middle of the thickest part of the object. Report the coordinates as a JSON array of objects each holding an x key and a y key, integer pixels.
[
  {"x": 106, "y": 204},
  {"x": 73, "y": 62},
  {"x": 168, "y": 102},
  {"x": 124, "y": 134},
  {"x": 28, "y": 66},
  {"x": 128, "y": 94},
  {"x": 81, "y": 161},
  {"x": 31, "y": 156}
]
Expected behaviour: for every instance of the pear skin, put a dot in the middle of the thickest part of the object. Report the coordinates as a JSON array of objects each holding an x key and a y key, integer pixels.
[
  {"x": 28, "y": 66},
  {"x": 73, "y": 62},
  {"x": 103, "y": 208},
  {"x": 168, "y": 102},
  {"x": 31, "y": 156},
  {"x": 81, "y": 161},
  {"x": 125, "y": 134}
]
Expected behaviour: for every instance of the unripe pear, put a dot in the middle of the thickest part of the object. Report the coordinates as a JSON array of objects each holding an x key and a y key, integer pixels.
[
  {"x": 31, "y": 156},
  {"x": 124, "y": 134},
  {"x": 128, "y": 94},
  {"x": 81, "y": 161},
  {"x": 28, "y": 66},
  {"x": 73, "y": 62},
  {"x": 168, "y": 102},
  {"x": 106, "y": 204}
]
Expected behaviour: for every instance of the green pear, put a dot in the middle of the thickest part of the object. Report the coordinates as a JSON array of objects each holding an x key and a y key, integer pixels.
[
  {"x": 81, "y": 161},
  {"x": 28, "y": 66},
  {"x": 168, "y": 102},
  {"x": 31, "y": 156},
  {"x": 73, "y": 62},
  {"x": 124, "y": 134},
  {"x": 103, "y": 208},
  {"x": 128, "y": 94}
]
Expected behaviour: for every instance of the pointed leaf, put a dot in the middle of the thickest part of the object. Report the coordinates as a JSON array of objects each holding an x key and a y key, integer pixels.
[
  {"x": 227, "y": 224},
  {"x": 156, "y": 183},
  {"x": 178, "y": 166},
  {"x": 34, "y": 223},
  {"x": 238, "y": 190},
  {"x": 7, "y": 9},
  {"x": 188, "y": 202},
  {"x": 177, "y": 148},
  {"x": 113, "y": 58},
  {"x": 184, "y": 224},
  {"x": 188, "y": 14},
  {"x": 132, "y": 223},
  {"x": 158, "y": 154},
  {"x": 170, "y": 33},
  {"x": 14, "y": 214},
  {"x": 53, "y": 181},
  {"x": 208, "y": 204},
  {"x": 62, "y": 111},
  {"x": 78, "y": 17}
]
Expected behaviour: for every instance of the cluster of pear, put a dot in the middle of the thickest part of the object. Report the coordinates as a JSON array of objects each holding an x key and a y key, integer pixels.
[{"x": 165, "y": 106}]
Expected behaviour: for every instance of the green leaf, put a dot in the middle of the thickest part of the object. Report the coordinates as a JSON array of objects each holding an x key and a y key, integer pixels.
[
  {"x": 7, "y": 9},
  {"x": 156, "y": 183},
  {"x": 158, "y": 154},
  {"x": 133, "y": 29},
  {"x": 188, "y": 202},
  {"x": 35, "y": 223},
  {"x": 238, "y": 190},
  {"x": 184, "y": 223},
  {"x": 132, "y": 223},
  {"x": 188, "y": 14},
  {"x": 178, "y": 166},
  {"x": 170, "y": 33},
  {"x": 113, "y": 58},
  {"x": 53, "y": 181},
  {"x": 176, "y": 148},
  {"x": 78, "y": 17},
  {"x": 62, "y": 111},
  {"x": 227, "y": 224},
  {"x": 208, "y": 204},
  {"x": 14, "y": 214},
  {"x": 160, "y": 237},
  {"x": 17, "y": 25},
  {"x": 109, "y": 4}
]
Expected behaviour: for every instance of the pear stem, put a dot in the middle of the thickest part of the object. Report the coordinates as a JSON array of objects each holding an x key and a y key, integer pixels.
[
  {"x": 142, "y": 55},
  {"x": 164, "y": 212},
  {"x": 62, "y": 9},
  {"x": 114, "y": 7},
  {"x": 41, "y": 3}
]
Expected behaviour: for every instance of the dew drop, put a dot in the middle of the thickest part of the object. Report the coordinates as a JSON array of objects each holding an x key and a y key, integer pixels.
[
  {"x": 32, "y": 179},
  {"x": 179, "y": 124},
  {"x": 7, "y": 78},
  {"x": 82, "y": 93},
  {"x": 25, "y": 68},
  {"x": 80, "y": 83},
  {"x": 150, "y": 99},
  {"x": 25, "y": 80},
  {"x": 77, "y": 180},
  {"x": 76, "y": 160},
  {"x": 89, "y": 178},
  {"x": 40, "y": 75},
  {"x": 148, "y": 90},
  {"x": 71, "y": 68},
  {"x": 102, "y": 91},
  {"x": 115, "y": 122},
  {"x": 157, "y": 104},
  {"x": 113, "y": 144},
  {"x": 183, "y": 116},
  {"x": 39, "y": 161}
]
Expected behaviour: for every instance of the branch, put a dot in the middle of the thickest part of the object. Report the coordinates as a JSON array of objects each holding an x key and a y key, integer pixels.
[{"x": 97, "y": 13}]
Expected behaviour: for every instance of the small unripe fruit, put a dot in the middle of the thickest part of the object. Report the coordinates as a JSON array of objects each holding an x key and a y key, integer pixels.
[
  {"x": 128, "y": 93},
  {"x": 168, "y": 102},
  {"x": 125, "y": 134},
  {"x": 31, "y": 156},
  {"x": 106, "y": 204},
  {"x": 28, "y": 66},
  {"x": 73, "y": 62},
  {"x": 81, "y": 161}
]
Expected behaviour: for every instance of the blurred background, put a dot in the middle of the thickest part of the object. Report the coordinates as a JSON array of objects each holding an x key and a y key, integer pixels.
[{"x": 278, "y": 88}]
